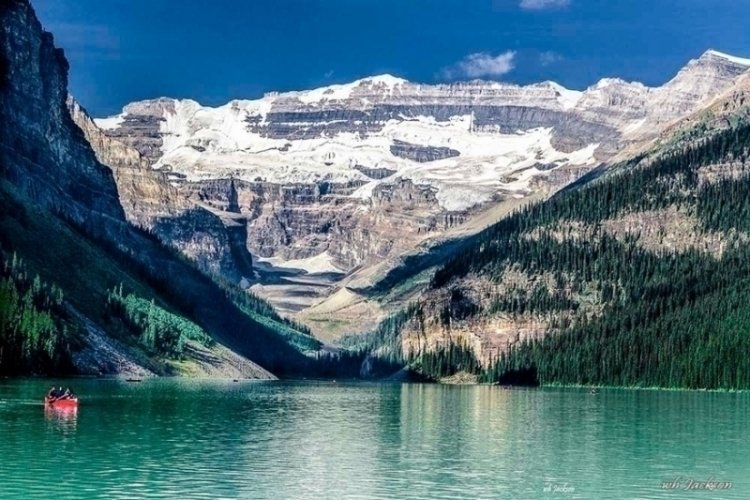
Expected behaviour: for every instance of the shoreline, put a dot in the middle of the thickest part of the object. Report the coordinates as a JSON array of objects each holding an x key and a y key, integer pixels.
[{"x": 375, "y": 381}]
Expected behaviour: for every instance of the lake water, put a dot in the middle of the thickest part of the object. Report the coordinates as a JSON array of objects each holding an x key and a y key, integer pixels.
[{"x": 316, "y": 440}]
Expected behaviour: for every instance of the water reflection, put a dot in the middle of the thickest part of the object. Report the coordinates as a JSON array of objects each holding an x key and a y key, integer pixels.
[
  {"x": 212, "y": 439},
  {"x": 63, "y": 419}
]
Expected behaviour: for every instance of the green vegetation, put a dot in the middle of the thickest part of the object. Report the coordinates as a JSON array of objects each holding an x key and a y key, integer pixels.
[
  {"x": 445, "y": 362},
  {"x": 386, "y": 355},
  {"x": 385, "y": 341},
  {"x": 35, "y": 330},
  {"x": 160, "y": 331}
]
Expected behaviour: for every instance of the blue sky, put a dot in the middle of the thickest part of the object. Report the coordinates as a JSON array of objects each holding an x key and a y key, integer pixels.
[{"x": 217, "y": 50}]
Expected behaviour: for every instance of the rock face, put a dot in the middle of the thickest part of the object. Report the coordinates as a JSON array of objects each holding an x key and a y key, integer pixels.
[
  {"x": 144, "y": 193},
  {"x": 421, "y": 153},
  {"x": 37, "y": 130},
  {"x": 152, "y": 203},
  {"x": 299, "y": 221},
  {"x": 364, "y": 172}
]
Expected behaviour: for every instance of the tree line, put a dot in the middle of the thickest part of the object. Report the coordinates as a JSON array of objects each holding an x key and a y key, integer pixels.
[{"x": 36, "y": 331}]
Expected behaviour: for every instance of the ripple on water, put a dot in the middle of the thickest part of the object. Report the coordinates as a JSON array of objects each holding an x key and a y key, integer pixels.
[{"x": 203, "y": 439}]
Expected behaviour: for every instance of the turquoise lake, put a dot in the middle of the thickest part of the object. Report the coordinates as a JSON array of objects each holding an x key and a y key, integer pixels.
[{"x": 179, "y": 438}]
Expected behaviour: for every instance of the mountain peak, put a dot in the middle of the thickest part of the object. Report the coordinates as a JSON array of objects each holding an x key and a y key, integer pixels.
[
  {"x": 568, "y": 98},
  {"x": 385, "y": 78}
]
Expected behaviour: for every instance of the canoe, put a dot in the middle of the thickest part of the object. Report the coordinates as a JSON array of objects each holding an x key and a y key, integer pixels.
[{"x": 61, "y": 403}]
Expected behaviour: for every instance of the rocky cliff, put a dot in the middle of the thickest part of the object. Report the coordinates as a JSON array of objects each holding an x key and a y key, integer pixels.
[
  {"x": 152, "y": 203},
  {"x": 88, "y": 227},
  {"x": 38, "y": 131}
]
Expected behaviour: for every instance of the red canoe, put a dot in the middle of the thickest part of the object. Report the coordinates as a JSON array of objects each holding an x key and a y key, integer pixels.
[{"x": 61, "y": 403}]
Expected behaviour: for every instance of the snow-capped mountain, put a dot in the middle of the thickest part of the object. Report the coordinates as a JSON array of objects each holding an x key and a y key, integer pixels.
[
  {"x": 367, "y": 132},
  {"x": 363, "y": 172},
  {"x": 468, "y": 140}
]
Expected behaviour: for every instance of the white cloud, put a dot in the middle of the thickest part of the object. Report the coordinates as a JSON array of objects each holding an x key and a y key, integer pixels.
[
  {"x": 549, "y": 57},
  {"x": 481, "y": 64},
  {"x": 543, "y": 4}
]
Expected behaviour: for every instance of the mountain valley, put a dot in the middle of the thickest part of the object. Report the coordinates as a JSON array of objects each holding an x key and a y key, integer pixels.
[
  {"x": 467, "y": 231},
  {"x": 332, "y": 189}
]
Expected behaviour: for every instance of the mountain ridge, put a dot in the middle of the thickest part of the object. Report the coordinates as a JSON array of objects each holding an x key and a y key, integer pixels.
[
  {"x": 391, "y": 80},
  {"x": 232, "y": 140},
  {"x": 323, "y": 174}
]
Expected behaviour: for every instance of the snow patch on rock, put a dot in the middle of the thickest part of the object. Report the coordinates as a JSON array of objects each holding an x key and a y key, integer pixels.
[
  {"x": 737, "y": 60},
  {"x": 110, "y": 123},
  {"x": 204, "y": 143}
]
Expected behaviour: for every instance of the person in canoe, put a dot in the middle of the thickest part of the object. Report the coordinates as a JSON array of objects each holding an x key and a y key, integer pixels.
[{"x": 56, "y": 394}]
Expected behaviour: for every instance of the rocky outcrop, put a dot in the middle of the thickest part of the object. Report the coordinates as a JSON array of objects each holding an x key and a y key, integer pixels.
[
  {"x": 139, "y": 127},
  {"x": 144, "y": 193},
  {"x": 420, "y": 153},
  {"x": 153, "y": 203},
  {"x": 375, "y": 173},
  {"x": 37, "y": 130}
]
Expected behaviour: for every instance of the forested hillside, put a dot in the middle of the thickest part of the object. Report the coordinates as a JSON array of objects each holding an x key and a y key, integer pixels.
[
  {"x": 35, "y": 331},
  {"x": 640, "y": 277}
]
